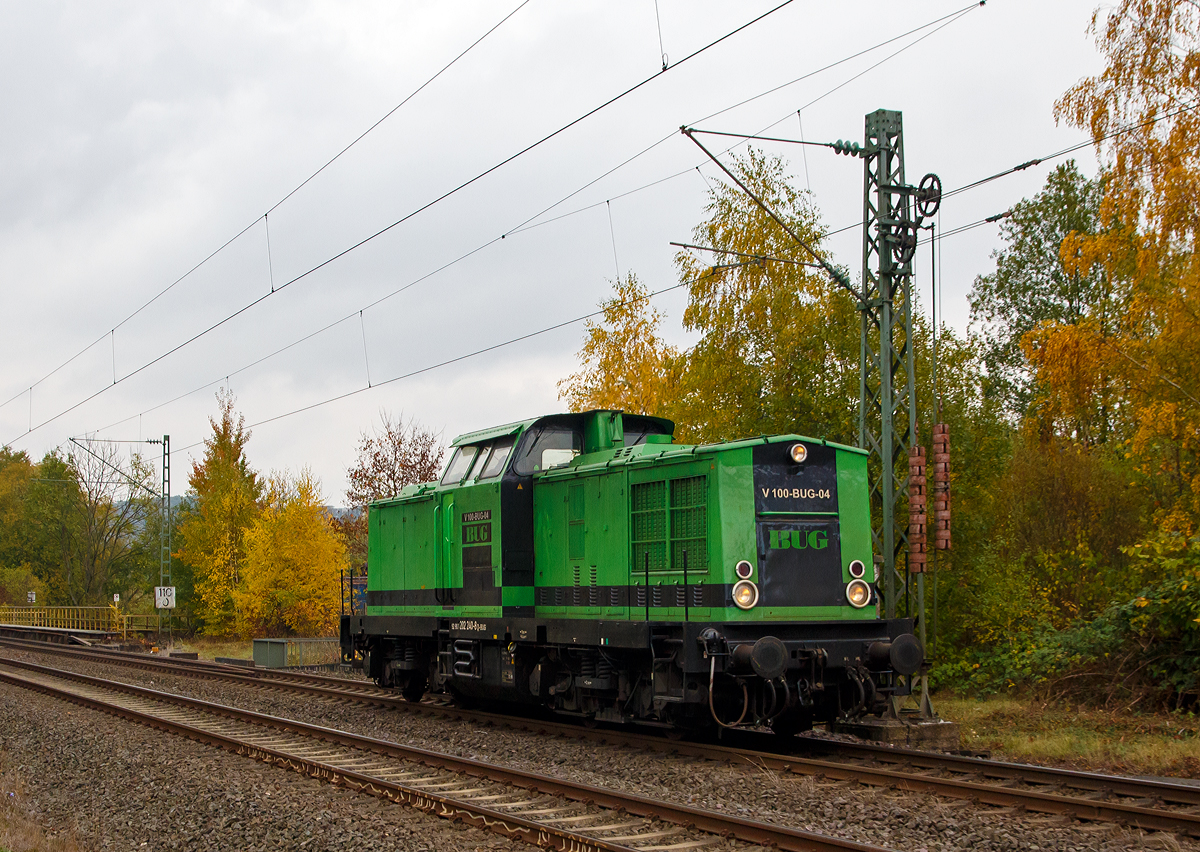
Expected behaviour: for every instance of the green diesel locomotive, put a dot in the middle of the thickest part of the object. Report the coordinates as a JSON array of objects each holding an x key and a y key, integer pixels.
[{"x": 586, "y": 563}]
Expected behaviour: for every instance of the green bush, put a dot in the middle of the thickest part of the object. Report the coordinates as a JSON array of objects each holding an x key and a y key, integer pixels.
[{"x": 1146, "y": 648}]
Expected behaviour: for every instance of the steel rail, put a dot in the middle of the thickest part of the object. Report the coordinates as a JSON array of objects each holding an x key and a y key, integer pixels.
[
  {"x": 1118, "y": 785},
  {"x": 333, "y": 687},
  {"x": 911, "y": 772},
  {"x": 507, "y": 823}
]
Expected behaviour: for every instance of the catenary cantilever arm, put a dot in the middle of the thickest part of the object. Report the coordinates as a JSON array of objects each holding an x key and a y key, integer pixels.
[{"x": 834, "y": 273}]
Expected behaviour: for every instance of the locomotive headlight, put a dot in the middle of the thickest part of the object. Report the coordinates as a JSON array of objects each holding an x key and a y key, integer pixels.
[
  {"x": 857, "y": 569},
  {"x": 744, "y": 569},
  {"x": 798, "y": 452},
  {"x": 858, "y": 593},
  {"x": 745, "y": 594}
]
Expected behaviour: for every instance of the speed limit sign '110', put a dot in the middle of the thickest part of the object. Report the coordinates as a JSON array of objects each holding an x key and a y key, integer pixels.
[{"x": 164, "y": 597}]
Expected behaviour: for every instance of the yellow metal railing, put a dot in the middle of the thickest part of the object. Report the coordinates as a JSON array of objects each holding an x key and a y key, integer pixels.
[{"x": 107, "y": 619}]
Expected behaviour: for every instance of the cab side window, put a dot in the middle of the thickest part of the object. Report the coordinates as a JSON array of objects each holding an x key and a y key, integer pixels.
[
  {"x": 460, "y": 463},
  {"x": 546, "y": 447},
  {"x": 495, "y": 462},
  {"x": 637, "y": 428}
]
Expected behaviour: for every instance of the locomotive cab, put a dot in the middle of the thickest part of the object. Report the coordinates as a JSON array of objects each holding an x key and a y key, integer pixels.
[{"x": 587, "y": 563}]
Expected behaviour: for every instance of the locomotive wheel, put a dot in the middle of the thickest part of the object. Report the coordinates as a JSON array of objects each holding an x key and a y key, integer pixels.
[
  {"x": 414, "y": 689},
  {"x": 466, "y": 702},
  {"x": 791, "y": 724}
]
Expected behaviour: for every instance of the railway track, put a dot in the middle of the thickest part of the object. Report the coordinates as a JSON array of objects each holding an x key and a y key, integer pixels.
[
  {"x": 1139, "y": 803},
  {"x": 538, "y": 809}
]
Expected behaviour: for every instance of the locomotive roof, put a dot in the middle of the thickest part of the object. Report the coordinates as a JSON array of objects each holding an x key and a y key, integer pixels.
[
  {"x": 494, "y": 432},
  {"x": 651, "y": 453},
  {"x": 522, "y": 425}
]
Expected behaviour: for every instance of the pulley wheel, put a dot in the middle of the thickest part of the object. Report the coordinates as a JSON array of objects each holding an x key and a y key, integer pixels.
[
  {"x": 929, "y": 195},
  {"x": 904, "y": 245}
]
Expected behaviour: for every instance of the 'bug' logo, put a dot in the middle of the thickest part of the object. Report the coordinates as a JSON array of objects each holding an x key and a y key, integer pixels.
[{"x": 798, "y": 540}]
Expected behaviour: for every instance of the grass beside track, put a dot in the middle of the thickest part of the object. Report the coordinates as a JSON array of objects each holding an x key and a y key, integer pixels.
[
  {"x": 1058, "y": 734},
  {"x": 210, "y": 648},
  {"x": 19, "y": 832}
]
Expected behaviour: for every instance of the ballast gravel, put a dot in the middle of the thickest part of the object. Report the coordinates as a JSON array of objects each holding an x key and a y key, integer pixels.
[
  {"x": 113, "y": 785},
  {"x": 238, "y": 803}
]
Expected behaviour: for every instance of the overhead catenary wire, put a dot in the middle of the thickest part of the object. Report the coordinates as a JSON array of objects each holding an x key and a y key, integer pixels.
[
  {"x": 747, "y": 254},
  {"x": 107, "y": 463},
  {"x": 95, "y": 440},
  {"x": 526, "y": 225},
  {"x": 661, "y": 50},
  {"x": 458, "y": 188},
  {"x": 368, "y": 306},
  {"x": 613, "y": 234},
  {"x": 529, "y": 223},
  {"x": 958, "y": 13},
  {"x": 804, "y": 152},
  {"x": 1120, "y": 131},
  {"x": 270, "y": 262},
  {"x": 366, "y": 358},
  {"x": 763, "y": 138},
  {"x": 1014, "y": 169},
  {"x": 1128, "y": 128},
  {"x": 952, "y": 18},
  {"x": 952, "y": 15},
  {"x": 225, "y": 378},
  {"x": 294, "y": 190},
  {"x": 939, "y": 237},
  {"x": 482, "y": 351}
]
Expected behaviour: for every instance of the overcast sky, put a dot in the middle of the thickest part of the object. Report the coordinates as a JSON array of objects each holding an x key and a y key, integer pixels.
[{"x": 139, "y": 138}]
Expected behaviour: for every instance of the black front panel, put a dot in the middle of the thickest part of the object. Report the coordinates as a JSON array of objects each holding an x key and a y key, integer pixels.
[
  {"x": 781, "y": 485},
  {"x": 516, "y": 530},
  {"x": 800, "y": 563}
]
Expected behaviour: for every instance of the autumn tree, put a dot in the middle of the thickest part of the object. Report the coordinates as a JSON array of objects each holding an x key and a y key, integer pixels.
[
  {"x": 625, "y": 365},
  {"x": 19, "y": 550},
  {"x": 112, "y": 504},
  {"x": 1141, "y": 114},
  {"x": 291, "y": 582},
  {"x": 212, "y": 535},
  {"x": 397, "y": 454},
  {"x": 52, "y": 524},
  {"x": 74, "y": 529},
  {"x": 1030, "y": 287},
  {"x": 779, "y": 342},
  {"x": 1064, "y": 507}
]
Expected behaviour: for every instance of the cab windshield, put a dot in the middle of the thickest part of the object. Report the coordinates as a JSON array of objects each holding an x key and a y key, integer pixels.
[{"x": 478, "y": 462}]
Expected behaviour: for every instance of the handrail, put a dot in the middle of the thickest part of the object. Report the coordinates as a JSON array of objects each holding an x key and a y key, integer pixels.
[
  {"x": 438, "y": 547},
  {"x": 107, "y": 619}
]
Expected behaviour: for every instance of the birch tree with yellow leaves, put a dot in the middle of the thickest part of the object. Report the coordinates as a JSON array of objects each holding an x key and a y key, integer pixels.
[
  {"x": 294, "y": 563},
  {"x": 626, "y": 366}
]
